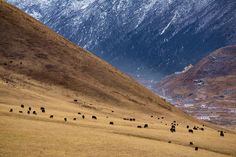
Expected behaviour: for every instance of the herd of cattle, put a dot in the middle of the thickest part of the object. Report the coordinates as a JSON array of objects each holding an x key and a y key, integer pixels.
[{"x": 173, "y": 127}]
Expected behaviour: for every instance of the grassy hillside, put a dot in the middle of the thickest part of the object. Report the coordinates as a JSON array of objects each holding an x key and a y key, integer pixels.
[{"x": 39, "y": 68}]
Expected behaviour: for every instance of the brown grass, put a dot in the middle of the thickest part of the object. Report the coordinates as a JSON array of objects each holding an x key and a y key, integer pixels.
[{"x": 40, "y": 68}]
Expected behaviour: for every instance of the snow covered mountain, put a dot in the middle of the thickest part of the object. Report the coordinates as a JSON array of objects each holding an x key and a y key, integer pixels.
[{"x": 145, "y": 38}]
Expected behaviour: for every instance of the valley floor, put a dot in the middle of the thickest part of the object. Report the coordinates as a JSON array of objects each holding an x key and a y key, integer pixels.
[{"x": 23, "y": 134}]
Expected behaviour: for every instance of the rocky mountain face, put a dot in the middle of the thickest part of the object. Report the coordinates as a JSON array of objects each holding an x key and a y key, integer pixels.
[
  {"x": 145, "y": 38},
  {"x": 208, "y": 89}
]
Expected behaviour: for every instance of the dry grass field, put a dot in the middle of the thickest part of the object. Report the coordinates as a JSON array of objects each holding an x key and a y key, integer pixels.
[
  {"x": 23, "y": 134},
  {"x": 39, "y": 68}
]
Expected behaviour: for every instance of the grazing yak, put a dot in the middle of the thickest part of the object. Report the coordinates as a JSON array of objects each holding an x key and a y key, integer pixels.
[
  {"x": 131, "y": 119},
  {"x": 65, "y": 119},
  {"x": 42, "y": 109},
  {"x": 94, "y": 117},
  {"x": 83, "y": 116},
  {"x": 22, "y": 106},
  {"x": 34, "y": 112},
  {"x": 172, "y": 129},
  {"x": 139, "y": 126},
  {"x": 111, "y": 123},
  {"x": 11, "y": 110},
  {"x": 190, "y": 130},
  {"x": 51, "y": 116},
  {"x": 145, "y": 125},
  {"x": 222, "y": 133}
]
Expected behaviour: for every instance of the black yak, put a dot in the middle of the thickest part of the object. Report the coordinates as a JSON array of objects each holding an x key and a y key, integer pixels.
[
  {"x": 94, "y": 117},
  {"x": 42, "y": 108},
  {"x": 222, "y": 133},
  {"x": 172, "y": 129},
  {"x": 190, "y": 130}
]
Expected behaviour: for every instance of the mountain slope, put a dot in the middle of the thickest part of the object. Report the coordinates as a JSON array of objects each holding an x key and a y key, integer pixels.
[
  {"x": 210, "y": 85},
  {"x": 56, "y": 99},
  {"x": 151, "y": 38},
  {"x": 31, "y": 49}
]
